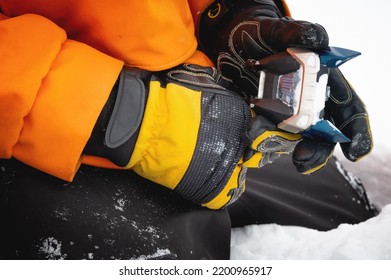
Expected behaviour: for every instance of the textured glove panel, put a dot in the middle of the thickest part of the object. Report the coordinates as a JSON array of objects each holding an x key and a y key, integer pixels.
[{"x": 219, "y": 148}]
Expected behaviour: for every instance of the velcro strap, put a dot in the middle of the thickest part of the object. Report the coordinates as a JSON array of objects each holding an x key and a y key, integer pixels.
[{"x": 128, "y": 110}]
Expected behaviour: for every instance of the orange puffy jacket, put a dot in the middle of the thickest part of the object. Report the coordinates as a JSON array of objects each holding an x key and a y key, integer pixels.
[{"x": 60, "y": 59}]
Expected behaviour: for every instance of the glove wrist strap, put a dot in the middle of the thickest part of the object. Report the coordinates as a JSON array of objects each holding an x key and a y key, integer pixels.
[{"x": 115, "y": 133}]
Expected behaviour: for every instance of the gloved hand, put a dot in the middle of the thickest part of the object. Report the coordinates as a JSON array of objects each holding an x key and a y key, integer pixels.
[
  {"x": 234, "y": 32},
  {"x": 267, "y": 143},
  {"x": 348, "y": 112},
  {"x": 189, "y": 135},
  {"x": 252, "y": 30}
]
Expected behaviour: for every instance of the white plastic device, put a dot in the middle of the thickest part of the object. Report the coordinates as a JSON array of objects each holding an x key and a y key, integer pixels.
[{"x": 304, "y": 91}]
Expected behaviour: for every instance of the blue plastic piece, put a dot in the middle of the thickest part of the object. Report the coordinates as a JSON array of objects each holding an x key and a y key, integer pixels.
[
  {"x": 334, "y": 57},
  {"x": 324, "y": 129}
]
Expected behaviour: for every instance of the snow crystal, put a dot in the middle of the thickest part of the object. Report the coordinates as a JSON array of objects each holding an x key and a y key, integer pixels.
[
  {"x": 109, "y": 241},
  {"x": 321, "y": 93},
  {"x": 120, "y": 204},
  {"x": 157, "y": 255},
  {"x": 51, "y": 249},
  {"x": 63, "y": 213}
]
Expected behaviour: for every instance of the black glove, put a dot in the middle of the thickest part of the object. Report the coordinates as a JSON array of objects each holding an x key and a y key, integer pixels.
[
  {"x": 349, "y": 114},
  {"x": 252, "y": 30}
]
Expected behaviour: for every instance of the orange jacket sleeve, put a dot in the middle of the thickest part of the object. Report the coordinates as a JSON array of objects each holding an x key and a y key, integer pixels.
[
  {"x": 153, "y": 35},
  {"x": 52, "y": 90}
]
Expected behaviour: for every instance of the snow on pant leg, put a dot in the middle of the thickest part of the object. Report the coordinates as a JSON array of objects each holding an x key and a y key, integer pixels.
[
  {"x": 103, "y": 214},
  {"x": 277, "y": 193}
]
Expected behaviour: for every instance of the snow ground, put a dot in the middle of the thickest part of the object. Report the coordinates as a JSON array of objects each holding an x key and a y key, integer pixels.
[
  {"x": 362, "y": 26},
  {"x": 363, "y": 241}
]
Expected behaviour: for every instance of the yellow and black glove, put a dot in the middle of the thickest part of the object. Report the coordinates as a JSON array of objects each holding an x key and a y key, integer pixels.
[{"x": 183, "y": 129}]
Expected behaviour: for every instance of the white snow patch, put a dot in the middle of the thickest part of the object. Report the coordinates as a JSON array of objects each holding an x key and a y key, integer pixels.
[
  {"x": 369, "y": 240},
  {"x": 51, "y": 249},
  {"x": 159, "y": 253},
  {"x": 120, "y": 204},
  {"x": 90, "y": 256}
]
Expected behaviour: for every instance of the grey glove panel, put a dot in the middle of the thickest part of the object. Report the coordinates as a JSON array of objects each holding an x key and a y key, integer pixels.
[
  {"x": 128, "y": 110},
  {"x": 219, "y": 147},
  {"x": 116, "y": 131}
]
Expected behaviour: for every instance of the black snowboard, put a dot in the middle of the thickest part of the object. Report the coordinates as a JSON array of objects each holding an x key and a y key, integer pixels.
[{"x": 114, "y": 214}]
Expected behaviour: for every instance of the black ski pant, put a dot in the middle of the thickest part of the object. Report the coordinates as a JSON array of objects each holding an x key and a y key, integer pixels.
[{"x": 114, "y": 214}]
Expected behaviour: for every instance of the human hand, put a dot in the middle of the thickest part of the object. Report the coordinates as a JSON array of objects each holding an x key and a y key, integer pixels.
[
  {"x": 348, "y": 113},
  {"x": 253, "y": 31}
]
